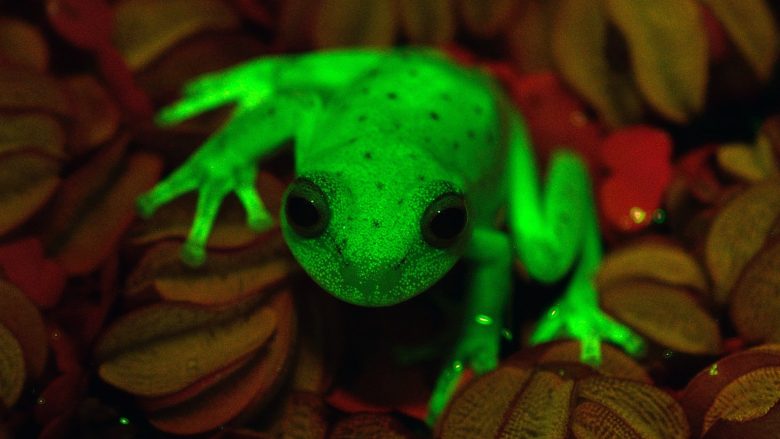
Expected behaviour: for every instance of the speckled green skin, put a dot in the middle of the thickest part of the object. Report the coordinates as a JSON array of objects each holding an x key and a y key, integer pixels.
[{"x": 403, "y": 133}]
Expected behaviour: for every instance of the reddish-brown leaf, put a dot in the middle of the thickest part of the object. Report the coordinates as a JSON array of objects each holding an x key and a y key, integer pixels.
[
  {"x": 668, "y": 48},
  {"x": 431, "y": 22},
  {"x": 243, "y": 392},
  {"x": 355, "y": 23},
  {"x": 738, "y": 231},
  {"x": 740, "y": 388},
  {"x": 147, "y": 28},
  {"x": 487, "y": 18},
  {"x": 12, "y": 367},
  {"x": 24, "y": 89},
  {"x": 658, "y": 260},
  {"x": 25, "y": 265},
  {"x": 754, "y": 32},
  {"x": 25, "y": 322},
  {"x": 95, "y": 114},
  {"x": 518, "y": 400},
  {"x": 165, "y": 348},
  {"x": 370, "y": 425},
  {"x": 580, "y": 26},
  {"x": 22, "y": 44},
  {"x": 37, "y": 131},
  {"x": 96, "y": 206},
  {"x": 224, "y": 278},
  {"x": 27, "y": 180},
  {"x": 755, "y": 301},
  {"x": 665, "y": 314},
  {"x": 614, "y": 362}
]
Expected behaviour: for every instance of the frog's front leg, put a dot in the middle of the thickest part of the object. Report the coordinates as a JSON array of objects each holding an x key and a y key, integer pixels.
[
  {"x": 227, "y": 162},
  {"x": 490, "y": 255}
]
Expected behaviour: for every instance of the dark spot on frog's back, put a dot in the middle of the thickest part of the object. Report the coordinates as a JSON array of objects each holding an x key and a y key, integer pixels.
[
  {"x": 434, "y": 115},
  {"x": 392, "y": 96},
  {"x": 446, "y": 97},
  {"x": 361, "y": 118},
  {"x": 380, "y": 185},
  {"x": 367, "y": 155},
  {"x": 376, "y": 224},
  {"x": 471, "y": 134}
]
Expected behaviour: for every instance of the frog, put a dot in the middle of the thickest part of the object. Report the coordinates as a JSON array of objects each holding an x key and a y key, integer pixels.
[{"x": 405, "y": 162}]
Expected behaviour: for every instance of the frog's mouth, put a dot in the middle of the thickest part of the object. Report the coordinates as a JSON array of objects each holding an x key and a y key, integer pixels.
[{"x": 373, "y": 286}]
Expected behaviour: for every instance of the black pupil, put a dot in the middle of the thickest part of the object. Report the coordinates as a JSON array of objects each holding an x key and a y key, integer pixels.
[
  {"x": 302, "y": 212},
  {"x": 448, "y": 223}
]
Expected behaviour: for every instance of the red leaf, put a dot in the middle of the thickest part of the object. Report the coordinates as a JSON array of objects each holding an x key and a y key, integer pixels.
[
  {"x": 638, "y": 160},
  {"x": 41, "y": 279}
]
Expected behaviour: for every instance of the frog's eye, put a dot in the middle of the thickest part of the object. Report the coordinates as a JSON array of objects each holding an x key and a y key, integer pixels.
[
  {"x": 444, "y": 220},
  {"x": 306, "y": 208}
]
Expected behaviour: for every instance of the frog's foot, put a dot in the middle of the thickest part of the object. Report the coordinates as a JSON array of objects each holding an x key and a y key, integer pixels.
[
  {"x": 213, "y": 178},
  {"x": 478, "y": 350},
  {"x": 588, "y": 324}
]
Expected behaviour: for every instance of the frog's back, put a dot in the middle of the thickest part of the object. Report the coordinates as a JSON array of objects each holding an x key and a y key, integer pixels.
[{"x": 416, "y": 106}]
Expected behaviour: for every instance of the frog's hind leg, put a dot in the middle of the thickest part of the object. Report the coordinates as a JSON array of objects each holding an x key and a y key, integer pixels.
[{"x": 553, "y": 229}]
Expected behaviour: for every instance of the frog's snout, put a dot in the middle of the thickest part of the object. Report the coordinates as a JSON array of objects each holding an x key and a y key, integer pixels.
[{"x": 373, "y": 285}]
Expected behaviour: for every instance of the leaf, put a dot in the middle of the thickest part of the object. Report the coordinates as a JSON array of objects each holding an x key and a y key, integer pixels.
[
  {"x": 668, "y": 48},
  {"x": 95, "y": 114},
  {"x": 747, "y": 162},
  {"x": 96, "y": 205},
  {"x": 541, "y": 408},
  {"x": 22, "y": 318},
  {"x": 713, "y": 394},
  {"x": 146, "y": 28},
  {"x": 593, "y": 420},
  {"x": 343, "y": 23},
  {"x": 370, "y": 425},
  {"x": 21, "y": 44},
  {"x": 660, "y": 261},
  {"x": 431, "y": 22},
  {"x": 580, "y": 27},
  {"x": 750, "y": 25},
  {"x": 665, "y": 314},
  {"x": 304, "y": 415},
  {"x": 245, "y": 391},
  {"x": 614, "y": 362},
  {"x": 649, "y": 412},
  {"x": 637, "y": 160},
  {"x": 84, "y": 23},
  {"x": 748, "y": 397},
  {"x": 754, "y": 301},
  {"x": 737, "y": 232},
  {"x": 488, "y": 18},
  {"x": 37, "y": 131},
  {"x": 11, "y": 368},
  {"x": 530, "y": 35},
  {"x": 224, "y": 278},
  {"x": 553, "y": 115},
  {"x": 170, "y": 360},
  {"x": 478, "y": 411},
  {"x": 24, "y": 264},
  {"x": 27, "y": 180},
  {"x": 23, "y": 89},
  {"x": 519, "y": 401}
]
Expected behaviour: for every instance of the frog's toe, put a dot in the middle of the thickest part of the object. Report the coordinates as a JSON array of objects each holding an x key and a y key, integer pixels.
[
  {"x": 257, "y": 216},
  {"x": 193, "y": 254}
]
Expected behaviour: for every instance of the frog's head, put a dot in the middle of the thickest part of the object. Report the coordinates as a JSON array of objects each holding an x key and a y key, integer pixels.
[{"x": 374, "y": 239}]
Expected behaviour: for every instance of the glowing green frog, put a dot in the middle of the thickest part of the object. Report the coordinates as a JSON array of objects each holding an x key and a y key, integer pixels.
[{"x": 403, "y": 160}]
